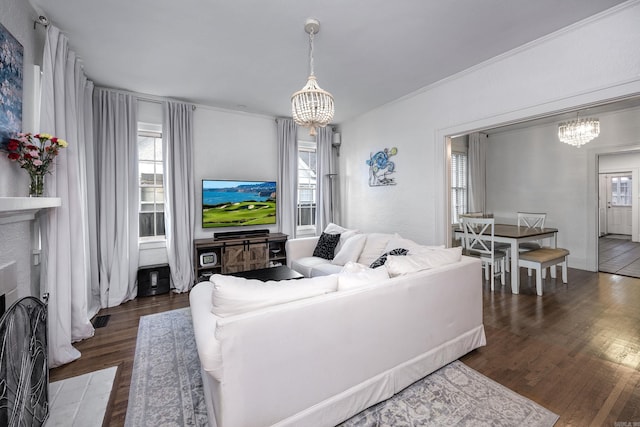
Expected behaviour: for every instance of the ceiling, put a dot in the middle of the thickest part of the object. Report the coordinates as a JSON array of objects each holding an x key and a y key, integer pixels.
[{"x": 251, "y": 55}]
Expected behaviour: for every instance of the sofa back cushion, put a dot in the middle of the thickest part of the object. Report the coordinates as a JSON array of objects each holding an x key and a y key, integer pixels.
[
  {"x": 350, "y": 250},
  {"x": 234, "y": 295}
]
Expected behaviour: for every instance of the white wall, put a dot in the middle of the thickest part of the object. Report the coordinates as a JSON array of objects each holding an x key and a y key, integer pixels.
[
  {"x": 593, "y": 60},
  {"x": 232, "y": 145},
  {"x": 17, "y": 17}
]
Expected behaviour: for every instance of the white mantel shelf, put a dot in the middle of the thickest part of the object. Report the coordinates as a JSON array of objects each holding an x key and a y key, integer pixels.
[{"x": 14, "y": 209}]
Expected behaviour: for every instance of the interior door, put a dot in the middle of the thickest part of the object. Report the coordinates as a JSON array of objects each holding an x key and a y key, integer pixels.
[{"x": 619, "y": 203}]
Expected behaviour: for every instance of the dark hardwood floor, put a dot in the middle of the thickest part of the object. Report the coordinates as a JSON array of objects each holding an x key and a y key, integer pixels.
[
  {"x": 617, "y": 254},
  {"x": 576, "y": 350}
]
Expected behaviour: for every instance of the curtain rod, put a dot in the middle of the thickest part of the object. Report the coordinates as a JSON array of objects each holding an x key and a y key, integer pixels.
[{"x": 146, "y": 97}]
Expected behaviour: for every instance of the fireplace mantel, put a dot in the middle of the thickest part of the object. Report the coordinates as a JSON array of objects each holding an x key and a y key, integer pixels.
[{"x": 15, "y": 209}]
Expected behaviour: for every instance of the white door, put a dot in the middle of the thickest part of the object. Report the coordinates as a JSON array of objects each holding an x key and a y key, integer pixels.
[
  {"x": 603, "y": 183},
  {"x": 619, "y": 203}
]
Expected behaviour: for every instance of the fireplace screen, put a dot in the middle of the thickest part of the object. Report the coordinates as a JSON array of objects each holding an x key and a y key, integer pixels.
[{"x": 24, "y": 374}]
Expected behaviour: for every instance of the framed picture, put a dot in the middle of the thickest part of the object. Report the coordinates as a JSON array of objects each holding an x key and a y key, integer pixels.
[{"x": 11, "y": 58}]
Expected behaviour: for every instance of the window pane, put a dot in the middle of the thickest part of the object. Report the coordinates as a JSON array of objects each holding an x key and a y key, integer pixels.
[
  {"x": 146, "y": 147},
  {"x": 146, "y": 224},
  {"x": 158, "y": 147},
  {"x": 159, "y": 224}
]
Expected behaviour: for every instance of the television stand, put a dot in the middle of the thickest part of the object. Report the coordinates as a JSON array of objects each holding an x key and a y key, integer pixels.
[{"x": 237, "y": 254}]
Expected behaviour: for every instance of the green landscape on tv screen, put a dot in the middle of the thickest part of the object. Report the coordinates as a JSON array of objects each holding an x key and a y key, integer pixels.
[{"x": 238, "y": 203}]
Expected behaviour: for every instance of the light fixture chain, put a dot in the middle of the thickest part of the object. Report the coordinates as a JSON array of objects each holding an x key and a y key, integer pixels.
[{"x": 311, "y": 52}]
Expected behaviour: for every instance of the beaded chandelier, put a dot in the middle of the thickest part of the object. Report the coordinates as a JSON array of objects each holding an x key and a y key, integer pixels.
[{"x": 312, "y": 106}]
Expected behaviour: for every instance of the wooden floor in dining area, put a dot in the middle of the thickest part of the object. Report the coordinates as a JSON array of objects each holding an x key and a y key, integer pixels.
[{"x": 575, "y": 350}]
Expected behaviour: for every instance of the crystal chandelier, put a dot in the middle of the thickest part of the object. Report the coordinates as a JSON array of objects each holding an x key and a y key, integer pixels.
[
  {"x": 579, "y": 131},
  {"x": 312, "y": 106}
]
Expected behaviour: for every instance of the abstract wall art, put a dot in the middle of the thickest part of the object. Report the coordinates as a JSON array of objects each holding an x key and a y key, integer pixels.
[
  {"x": 381, "y": 168},
  {"x": 11, "y": 58}
]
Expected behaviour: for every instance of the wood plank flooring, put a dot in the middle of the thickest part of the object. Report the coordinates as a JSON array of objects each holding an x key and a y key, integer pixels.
[
  {"x": 576, "y": 350},
  {"x": 619, "y": 255}
]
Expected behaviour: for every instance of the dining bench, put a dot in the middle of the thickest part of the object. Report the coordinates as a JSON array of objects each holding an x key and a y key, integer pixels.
[{"x": 540, "y": 259}]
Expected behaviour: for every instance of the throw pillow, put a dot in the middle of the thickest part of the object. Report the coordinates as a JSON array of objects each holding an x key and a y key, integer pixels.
[
  {"x": 423, "y": 260},
  {"x": 326, "y": 246},
  {"x": 350, "y": 250},
  {"x": 383, "y": 258},
  {"x": 374, "y": 247},
  {"x": 234, "y": 295},
  {"x": 362, "y": 278}
]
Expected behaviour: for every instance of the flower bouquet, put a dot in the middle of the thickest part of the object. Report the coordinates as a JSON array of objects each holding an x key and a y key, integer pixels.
[{"x": 35, "y": 154}]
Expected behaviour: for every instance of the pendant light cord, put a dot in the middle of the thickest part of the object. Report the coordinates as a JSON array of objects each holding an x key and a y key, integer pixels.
[{"x": 311, "y": 51}]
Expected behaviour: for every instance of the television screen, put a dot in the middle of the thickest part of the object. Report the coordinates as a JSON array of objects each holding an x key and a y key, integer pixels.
[{"x": 238, "y": 203}]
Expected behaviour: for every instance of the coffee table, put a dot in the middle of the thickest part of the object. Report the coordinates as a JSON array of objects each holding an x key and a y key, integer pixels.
[{"x": 281, "y": 272}]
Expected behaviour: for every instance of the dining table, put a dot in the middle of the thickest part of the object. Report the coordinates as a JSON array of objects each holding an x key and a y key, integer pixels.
[{"x": 514, "y": 235}]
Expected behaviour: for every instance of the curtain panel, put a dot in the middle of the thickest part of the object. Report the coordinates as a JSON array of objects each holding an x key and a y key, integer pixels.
[
  {"x": 67, "y": 270},
  {"x": 287, "y": 196},
  {"x": 324, "y": 214},
  {"x": 116, "y": 136},
  {"x": 179, "y": 213},
  {"x": 477, "y": 171}
]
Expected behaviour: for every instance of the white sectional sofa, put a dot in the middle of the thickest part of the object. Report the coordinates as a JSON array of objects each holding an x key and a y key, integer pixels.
[{"x": 314, "y": 352}]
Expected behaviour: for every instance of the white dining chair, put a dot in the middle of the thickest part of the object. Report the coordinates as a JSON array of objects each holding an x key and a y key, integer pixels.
[
  {"x": 479, "y": 241},
  {"x": 531, "y": 220}
]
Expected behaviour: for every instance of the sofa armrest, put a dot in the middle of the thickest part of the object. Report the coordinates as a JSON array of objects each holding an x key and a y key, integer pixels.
[{"x": 300, "y": 248}]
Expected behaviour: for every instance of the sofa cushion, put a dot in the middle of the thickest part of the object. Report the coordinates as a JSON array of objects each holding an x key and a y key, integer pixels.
[
  {"x": 383, "y": 258},
  {"x": 234, "y": 295},
  {"x": 350, "y": 250},
  {"x": 326, "y": 246},
  {"x": 361, "y": 278},
  {"x": 325, "y": 269},
  {"x": 373, "y": 247},
  {"x": 304, "y": 265},
  {"x": 398, "y": 241},
  {"x": 422, "y": 259}
]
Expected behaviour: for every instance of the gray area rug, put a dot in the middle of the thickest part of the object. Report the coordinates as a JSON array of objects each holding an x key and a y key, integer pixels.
[{"x": 166, "y": 389}]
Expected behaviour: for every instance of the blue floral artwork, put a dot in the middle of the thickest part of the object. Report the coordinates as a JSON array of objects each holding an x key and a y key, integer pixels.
[
  {"x": 381, "y": 168},
  {"x": 11, "y": 57}
]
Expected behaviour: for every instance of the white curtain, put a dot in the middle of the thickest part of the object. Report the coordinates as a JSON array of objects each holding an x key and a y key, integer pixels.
[
  {"x": 66, "y": 263},
  {"x": 116, "y": 136},
  {"x": 287, "y": 197},
  {"x": 477, "y": 171},
  {"x": 179, "y": 206},
  {"x": 323, "y": 181}
]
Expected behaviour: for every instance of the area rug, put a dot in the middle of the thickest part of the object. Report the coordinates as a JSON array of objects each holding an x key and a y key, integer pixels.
[{"x": 166, "y": 389}]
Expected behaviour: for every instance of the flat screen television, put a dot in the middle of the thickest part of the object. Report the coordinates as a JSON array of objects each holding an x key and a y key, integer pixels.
[{"x": 238, "y": 203}]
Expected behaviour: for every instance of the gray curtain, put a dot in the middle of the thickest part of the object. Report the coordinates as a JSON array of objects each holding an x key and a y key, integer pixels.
[
  {"x": 323, "y": 181},
  {"x": 66, "y": 270},
  {"x": 477, "y": 172},
  {"x": 287, "y": 196},
  {"x": 116, "y": 136},
  {"x": 179, "y": 206}
]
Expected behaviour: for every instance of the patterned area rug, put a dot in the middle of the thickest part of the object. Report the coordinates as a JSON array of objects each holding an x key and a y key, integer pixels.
[{"x": 166, "y": 389}]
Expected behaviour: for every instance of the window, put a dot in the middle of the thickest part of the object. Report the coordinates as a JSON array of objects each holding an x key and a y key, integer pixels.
[
  {"x": 150, "y": 172},
  {"x": 621, "y": 190},
  {"x": 306, "y": 187},
  {"x": 458, "y": 185}
]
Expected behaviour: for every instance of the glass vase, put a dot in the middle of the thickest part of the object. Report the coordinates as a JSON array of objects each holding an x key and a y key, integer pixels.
[{"x": 36, "y": 187}]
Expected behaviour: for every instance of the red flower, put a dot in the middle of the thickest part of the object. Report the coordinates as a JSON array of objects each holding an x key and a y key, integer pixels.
[
  {"x": 54, "y": 140},
  {"x": 12, "y": 145},
  {"x": 13, "y": 156}
]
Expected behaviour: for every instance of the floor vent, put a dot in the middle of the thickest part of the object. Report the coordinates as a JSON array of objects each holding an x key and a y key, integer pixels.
[{"x": 101, "y": 321}]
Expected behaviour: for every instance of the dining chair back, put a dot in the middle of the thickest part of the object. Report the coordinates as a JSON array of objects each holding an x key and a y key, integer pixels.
[
  {"x": 479, "y": 241},
  {"x": 531, "y": 220}
]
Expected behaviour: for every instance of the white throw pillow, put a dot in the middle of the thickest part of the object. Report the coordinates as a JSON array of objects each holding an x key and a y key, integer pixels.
[
  {"x": 398, "y": 241},
  {"x": 374, "y": 247},
  {"x": 422, "y": 260},
  {"x": 360, "y": 279},
  {"x": 345, "y": 234},
  {"x": 350, "y": 250},
  {"x": 234, "y": 295}
]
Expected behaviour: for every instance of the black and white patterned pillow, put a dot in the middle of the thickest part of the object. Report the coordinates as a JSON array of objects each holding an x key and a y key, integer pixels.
[
  {"x": 383, "y": 258},
  {"x": 326, "y": 246}
]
